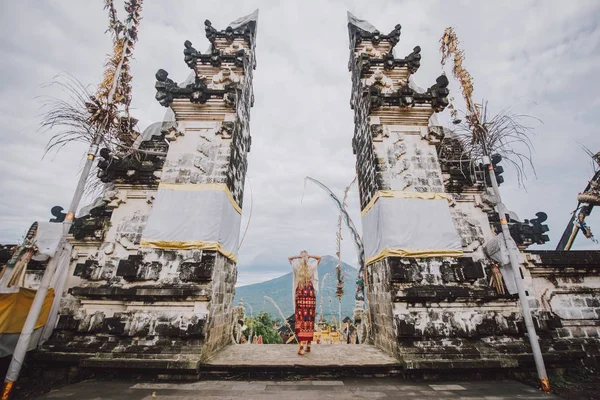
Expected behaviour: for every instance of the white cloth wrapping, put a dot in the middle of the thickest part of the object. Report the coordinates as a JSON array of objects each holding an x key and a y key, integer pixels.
[
  {"x": 497, "y": 250},
  {"x": 185, "y": 218},
  {"x": 8, "y": 341},
  {"x": 411, "y": 225},
  {"x": 313, "y": 269},
  {"x": 47, "y": 239}
]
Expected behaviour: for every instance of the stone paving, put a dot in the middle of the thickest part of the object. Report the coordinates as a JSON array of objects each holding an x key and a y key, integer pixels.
[
  {"x": 286, "y": 355},
  {"x": 290, "y": 386},
  {"x": 366, "y": 388}
]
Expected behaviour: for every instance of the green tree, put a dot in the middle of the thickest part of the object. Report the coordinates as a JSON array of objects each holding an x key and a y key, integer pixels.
[{"x": 262, "y": 325}]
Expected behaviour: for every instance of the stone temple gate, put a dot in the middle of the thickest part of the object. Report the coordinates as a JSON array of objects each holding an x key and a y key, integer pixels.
[{"x": 152, "y": 276}]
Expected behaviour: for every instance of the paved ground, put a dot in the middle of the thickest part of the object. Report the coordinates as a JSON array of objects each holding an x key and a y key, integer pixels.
[
  {"x": 320, "y": 355},
  {"x": 367, "y": 388}
]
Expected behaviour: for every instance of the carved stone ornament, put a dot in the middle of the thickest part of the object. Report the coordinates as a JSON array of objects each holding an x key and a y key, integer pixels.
[
  {"x": 379, "y": 132},
  {"x": 232, "y": 49},
  {"x": 59, "y": 215},
  {"x": 368, "y": 59},
  {"x": 244, "y": 31},
  {"x": 369, "y": 51},
  {"x": 225, "y": 77},
  {"x": 225, "y": 130},
  {"x": 172, "y": 133},
  {"x": 436, "y": 96},
  {"x": 132, "y": 168},
  {"x": 197, "y": 92},
  {"x": 379, "y": 79}
]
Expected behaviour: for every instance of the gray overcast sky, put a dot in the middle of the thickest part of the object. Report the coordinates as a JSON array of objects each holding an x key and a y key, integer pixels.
[{"x": 541, "y": 57}]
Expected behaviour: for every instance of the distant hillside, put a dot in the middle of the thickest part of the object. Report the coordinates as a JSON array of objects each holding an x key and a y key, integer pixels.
[{"x": 280, "y": 290}]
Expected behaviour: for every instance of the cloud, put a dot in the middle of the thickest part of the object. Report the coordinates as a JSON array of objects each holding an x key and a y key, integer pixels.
[{"x": 539, "y": 57}]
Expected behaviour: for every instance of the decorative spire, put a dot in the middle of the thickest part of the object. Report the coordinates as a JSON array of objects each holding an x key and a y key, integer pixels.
[
  {"x": 370, "y": 50},
  {"x": 244, "y": 27}
]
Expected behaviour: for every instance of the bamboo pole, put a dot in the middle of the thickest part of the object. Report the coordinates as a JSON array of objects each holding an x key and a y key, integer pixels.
[
  {"x": 514, "y": 262},
  {"x": 450, "y": 47}
]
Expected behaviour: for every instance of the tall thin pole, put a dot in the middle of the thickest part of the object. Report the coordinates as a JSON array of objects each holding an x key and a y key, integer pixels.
[
  {"x": 514, "y": 262},
  {"x": 450, "y": 46}
]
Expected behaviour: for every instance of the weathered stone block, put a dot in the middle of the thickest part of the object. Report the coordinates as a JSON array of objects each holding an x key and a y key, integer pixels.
[
  {"x": 592, "y": 302},
  {"x": 468, "y": 270},
  {"x": 197, "y": 271},
  {"x": 588, "y": 313},
  {"x": 578, "y": 302},
  {"x": 405, "y": 329},
  {"x": 135, "y": 269},
  {"x": 86, "y": 270},
  {"x": 127, "y": 269},
  {"x": 67, "y": 323},
  {"x": 448, "y": 274},
  {"x": 113, "y": 325}
]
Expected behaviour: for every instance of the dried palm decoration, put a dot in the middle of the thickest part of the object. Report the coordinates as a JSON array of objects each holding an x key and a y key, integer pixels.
[
  {"x": 339, "y": 292},
  {"x": 102, "y": 118},
  {"x": 114, "y": 92},
  {"x": 506, "y": 133}
]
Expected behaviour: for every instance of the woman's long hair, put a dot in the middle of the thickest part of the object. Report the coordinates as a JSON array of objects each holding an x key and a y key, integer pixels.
[{"x": 304, "y": 274}]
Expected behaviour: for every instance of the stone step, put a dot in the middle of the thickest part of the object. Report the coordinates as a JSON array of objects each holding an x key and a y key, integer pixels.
[
  {"x": 140, "y": 365},
  {"x": 474, "y": 364},
  {"x": 207, "y": 371}
]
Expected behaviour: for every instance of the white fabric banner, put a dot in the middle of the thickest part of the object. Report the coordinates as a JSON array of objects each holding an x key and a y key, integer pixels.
[
  {"x": 409, "y": 224},
  {"x": 193, "y": 216},
  {"x": 47, "y": 239}
]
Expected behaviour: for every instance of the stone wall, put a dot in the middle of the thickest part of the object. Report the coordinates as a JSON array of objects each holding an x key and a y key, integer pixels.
[{"x": 565, "y": 286}]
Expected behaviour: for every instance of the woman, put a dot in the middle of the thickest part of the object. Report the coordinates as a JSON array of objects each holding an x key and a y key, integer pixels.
[{"x": 305, "y": 284}]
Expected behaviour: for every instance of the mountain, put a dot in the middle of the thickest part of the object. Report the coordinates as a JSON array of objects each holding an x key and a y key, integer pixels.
[{"x": 280, "y": 290}]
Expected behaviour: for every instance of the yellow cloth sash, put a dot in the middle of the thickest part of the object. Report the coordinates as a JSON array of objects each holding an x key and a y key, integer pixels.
[
  {"x": 404, "y": 195},
  {"x": 14, "y": 308},
  {"x": 414, "y": 253},
  {"x": 187, "y": 245}
]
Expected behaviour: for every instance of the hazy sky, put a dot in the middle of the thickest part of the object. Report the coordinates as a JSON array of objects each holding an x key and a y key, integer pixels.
[{"x": 540, "y": 57}]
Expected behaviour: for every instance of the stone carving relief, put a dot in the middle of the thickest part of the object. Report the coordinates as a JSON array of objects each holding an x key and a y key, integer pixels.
[
  {"x": 379, "y": 132},
  {"x": 225, "y": 130},
  {"x": 207, "y": 159},
  {"x": 370, "y": 51},
  {"x": 232, "y": 49},
  {"x": 224, "y": 78},
  {"x": 379, "y": 79},
  {"x": 172, "y": 133},
  {"x": 114, "y": 198}
]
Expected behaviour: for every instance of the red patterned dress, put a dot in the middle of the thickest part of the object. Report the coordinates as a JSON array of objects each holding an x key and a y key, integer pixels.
[
  {"x": 305, "y": 284},
  {"x": 305, "y": 312}
]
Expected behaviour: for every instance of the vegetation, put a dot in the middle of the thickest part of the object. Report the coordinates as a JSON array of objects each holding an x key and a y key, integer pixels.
[{"x": 263, "y": 325}]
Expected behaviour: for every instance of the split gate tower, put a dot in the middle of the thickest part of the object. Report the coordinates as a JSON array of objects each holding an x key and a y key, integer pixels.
[
  {"x": 426, "y": 218},
  {"x": 154, "y": 269}
]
